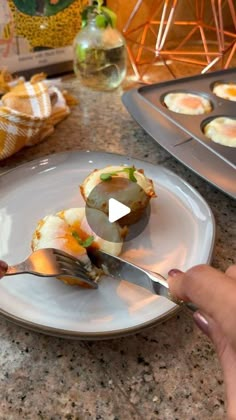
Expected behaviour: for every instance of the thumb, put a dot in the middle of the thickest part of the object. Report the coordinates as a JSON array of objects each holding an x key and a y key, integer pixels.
[
  {"x": 209, "y": 327},
  {"x": 212, "y": 291},
  {"x": 226, "y": 354}
]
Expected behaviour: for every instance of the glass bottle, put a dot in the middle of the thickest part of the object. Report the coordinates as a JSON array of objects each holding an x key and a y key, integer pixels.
[{"x": 99, "y": 56}]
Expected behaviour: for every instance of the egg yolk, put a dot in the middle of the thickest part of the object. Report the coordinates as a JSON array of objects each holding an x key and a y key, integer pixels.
[
  {"x": 191, "y": 102},
  {"x": 231, "y": 90},
  {"x": 229, "y": 130},
  {"x": 72, "y": 243}
]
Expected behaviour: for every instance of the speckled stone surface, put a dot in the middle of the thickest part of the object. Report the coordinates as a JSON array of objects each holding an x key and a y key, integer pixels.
[{"x": 169, "y": 371}]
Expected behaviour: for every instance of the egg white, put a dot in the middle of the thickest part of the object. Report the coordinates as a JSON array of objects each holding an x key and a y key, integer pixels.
[
  {"x": 56, "y": 231},
  {"x": 53, "y": 232},
  {"x": 225, "y": 91},
  {"x": 187, "y": 103},
  {"x": 222, "y": 130}
]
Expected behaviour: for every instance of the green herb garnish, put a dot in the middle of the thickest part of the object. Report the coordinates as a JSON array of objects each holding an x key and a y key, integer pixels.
[
  {"x": 130, "y": 172},
  {"x": 86, "y": 243},
  {"x": 108, "y": 175}
]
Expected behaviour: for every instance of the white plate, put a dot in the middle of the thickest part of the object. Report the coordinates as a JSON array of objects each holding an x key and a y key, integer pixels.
[{"x": 180, "y": 234}]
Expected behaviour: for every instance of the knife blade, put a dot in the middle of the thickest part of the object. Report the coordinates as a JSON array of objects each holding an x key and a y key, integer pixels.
[{"x": 118, "y": 268}]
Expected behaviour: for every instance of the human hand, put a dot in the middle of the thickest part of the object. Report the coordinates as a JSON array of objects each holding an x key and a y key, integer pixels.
[
  {"x": 214, "y": 293},
  {"x": 3, "y": 268}
]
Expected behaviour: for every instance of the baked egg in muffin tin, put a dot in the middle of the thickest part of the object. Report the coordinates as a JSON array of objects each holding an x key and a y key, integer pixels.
[{"x": 203, "y": 106}]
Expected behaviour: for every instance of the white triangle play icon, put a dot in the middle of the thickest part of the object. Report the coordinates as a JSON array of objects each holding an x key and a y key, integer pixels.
[{"x": 116, "y": 210}]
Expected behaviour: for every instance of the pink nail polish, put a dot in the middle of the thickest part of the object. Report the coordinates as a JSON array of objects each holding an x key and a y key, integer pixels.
[
  {"x": 201, "y": 322},
  {"x": 174, "y": 272}
]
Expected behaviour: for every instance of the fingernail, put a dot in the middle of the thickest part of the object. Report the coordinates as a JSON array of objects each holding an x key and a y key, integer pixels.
[
  {"x": 3, "y": 266},
  {"x": 201, "y": 322},
  {"x": 174, "y": 272}
]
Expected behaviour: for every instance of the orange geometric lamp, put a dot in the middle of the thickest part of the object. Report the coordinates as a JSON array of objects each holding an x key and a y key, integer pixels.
[{"x": 165, "y": 37}]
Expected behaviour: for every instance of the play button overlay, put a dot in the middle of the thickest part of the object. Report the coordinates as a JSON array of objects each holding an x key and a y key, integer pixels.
[
  {"x": 116, "y": 199},
  {"x": 116, "y": 210}
]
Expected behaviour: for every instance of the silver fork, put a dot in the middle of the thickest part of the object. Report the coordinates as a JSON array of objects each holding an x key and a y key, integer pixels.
[{"x": 50, "y": 262}]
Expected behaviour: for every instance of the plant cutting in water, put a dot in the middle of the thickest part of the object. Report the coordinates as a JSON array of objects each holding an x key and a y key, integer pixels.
[{"x": 99, "y": 49}]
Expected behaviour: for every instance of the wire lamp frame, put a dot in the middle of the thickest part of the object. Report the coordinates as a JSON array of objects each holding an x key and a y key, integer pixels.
[{"x": 213, "y": 43}]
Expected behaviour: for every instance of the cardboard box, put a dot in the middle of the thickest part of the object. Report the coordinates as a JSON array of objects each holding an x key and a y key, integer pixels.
[{"x": 38, "y": 34}]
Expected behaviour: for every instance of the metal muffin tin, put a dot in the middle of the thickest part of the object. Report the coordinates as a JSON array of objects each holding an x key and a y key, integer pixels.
[{"x": 193, "y": 124}]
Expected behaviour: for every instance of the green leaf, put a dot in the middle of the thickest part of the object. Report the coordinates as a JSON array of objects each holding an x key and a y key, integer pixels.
[
  {"x": 104, "y": 15},
  {"x": 111, "y": 14},
  {"x": 86, "y": 243},
  {"x": 107, "y": 18},
  {"x": 107, "y": 176},
  {"x": 101, "y": 21},
  {"x": 76, "y": 236},
  {"x": 130, "y": 171}
]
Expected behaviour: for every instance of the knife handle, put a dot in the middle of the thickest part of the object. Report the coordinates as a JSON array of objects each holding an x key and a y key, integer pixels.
[{"x": 161, "y": 288}]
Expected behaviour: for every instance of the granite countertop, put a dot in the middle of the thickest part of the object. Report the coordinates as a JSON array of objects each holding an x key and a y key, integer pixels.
[{"x": 169, "y": 371}]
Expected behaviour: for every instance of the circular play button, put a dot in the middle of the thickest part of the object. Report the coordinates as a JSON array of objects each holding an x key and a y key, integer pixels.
[
  {"x": 123, "y": 202},
  {"x": 117, "y": 210}
]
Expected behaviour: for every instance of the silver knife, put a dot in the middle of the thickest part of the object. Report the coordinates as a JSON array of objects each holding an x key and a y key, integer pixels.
[{"x": 124, "y": 270}]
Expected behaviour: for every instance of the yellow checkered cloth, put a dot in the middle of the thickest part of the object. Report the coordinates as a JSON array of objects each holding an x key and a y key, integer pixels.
[{"x": 28, "y": 114}]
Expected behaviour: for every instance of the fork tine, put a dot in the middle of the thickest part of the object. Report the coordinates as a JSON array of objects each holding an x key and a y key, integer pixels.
[
  {"x": 66, "y": 257},
  {"x": 51, "y": 262},
  {"x": 73, "y": 266},
  {"x": 68, "y": 260}
]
